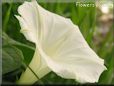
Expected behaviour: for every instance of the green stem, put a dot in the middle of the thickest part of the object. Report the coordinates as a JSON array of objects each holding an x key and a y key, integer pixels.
[
  {"x": 26, "y": 66},
  {"x": 33, "y": 72}
]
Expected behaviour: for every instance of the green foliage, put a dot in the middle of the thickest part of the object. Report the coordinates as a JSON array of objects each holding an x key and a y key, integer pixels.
[
  {"x": 27, "y": 50},
  {"x": 15, "y": 46},
  {"x": 11, "y": 59}
]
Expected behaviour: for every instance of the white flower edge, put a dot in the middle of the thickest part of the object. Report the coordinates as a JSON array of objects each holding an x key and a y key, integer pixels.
[{"x": 59, "y": 44}]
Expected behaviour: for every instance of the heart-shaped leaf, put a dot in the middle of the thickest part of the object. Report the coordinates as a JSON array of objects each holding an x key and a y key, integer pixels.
[{"x": 11, "y": 59}]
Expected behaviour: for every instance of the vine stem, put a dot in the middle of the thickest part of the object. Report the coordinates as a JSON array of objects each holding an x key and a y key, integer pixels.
[{"x": 30, "y": 70}]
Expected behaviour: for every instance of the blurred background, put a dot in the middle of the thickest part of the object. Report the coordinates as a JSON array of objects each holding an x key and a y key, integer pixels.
[{"x": 96, "y": 22}]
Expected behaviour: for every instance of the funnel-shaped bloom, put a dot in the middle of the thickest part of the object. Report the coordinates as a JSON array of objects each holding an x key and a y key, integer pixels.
[{"x": 60, "y": 47}]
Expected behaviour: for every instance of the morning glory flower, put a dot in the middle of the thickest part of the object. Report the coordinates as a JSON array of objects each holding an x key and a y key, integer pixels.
[{"x": 60, "y": 47}]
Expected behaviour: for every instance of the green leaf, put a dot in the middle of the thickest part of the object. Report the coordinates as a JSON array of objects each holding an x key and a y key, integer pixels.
[
  {"x": 11, "y": 59},
  {"x": 7, "y": 16},
  {"x": 27, "y": 53},
  {"x": 27, "y": 50},
  {"x": 107, "y": 76},
  {"x": 9, "y": 40}
]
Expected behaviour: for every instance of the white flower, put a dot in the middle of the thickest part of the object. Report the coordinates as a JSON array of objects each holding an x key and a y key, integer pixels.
[{"x": 60, "y": 47}]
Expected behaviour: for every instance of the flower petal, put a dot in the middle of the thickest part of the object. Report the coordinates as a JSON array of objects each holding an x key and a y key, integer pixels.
[
  {"x": 72, "y": 58},
  {"x": 29, "y": 20},
  {"x": 29, "y": 34},
  {"x": 61, "y": 44},
  {"x": 66, "y": 51}
]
